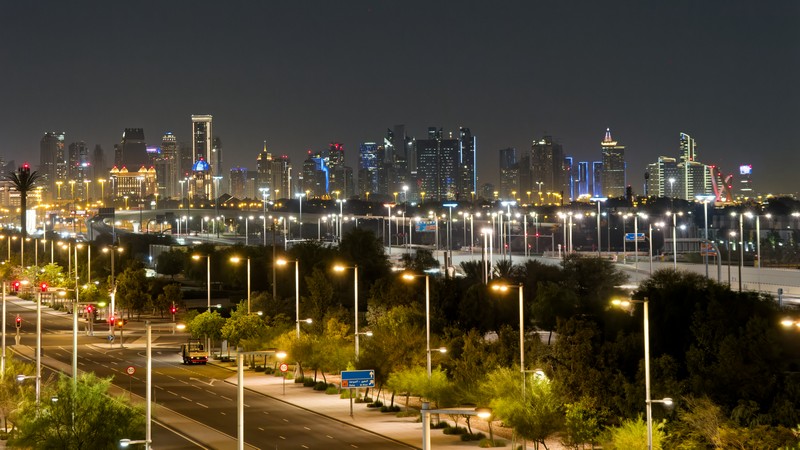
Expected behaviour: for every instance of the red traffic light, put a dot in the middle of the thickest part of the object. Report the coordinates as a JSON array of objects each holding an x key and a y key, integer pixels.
[
  {"x": 44, "y": 287},
  {"x": 15, "y": 286},
  {"x": 111, "y": 320},
  {"x": 19, "y": 321},
  {"x": 173, "y": 310}
]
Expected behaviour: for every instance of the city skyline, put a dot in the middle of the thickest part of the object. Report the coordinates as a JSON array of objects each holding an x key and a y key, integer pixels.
[{"x": 279, "y": 74}]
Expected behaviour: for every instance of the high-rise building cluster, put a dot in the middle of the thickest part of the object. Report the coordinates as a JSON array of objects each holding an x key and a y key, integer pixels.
[
  {"x": 439, "y": 167},
  {"x": 683, "y": 177},
  {"x": 545, "y": 174}
]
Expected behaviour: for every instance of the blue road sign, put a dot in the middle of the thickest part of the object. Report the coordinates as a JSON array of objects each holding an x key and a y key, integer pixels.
[
  {"x": 630, "y": 237},
  {"x": 426, "y": 227},
  {"x": 358, "y": 378}
]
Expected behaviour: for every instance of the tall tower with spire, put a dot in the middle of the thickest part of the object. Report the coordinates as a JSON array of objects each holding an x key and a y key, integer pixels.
[{"x": 613, "y": 172}]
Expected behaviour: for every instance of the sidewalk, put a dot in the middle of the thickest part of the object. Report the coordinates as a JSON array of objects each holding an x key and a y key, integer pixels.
[{"x": 406, "y": 430}]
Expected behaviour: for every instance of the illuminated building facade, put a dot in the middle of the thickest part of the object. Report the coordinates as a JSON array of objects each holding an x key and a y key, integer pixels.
[
  {"x": 613, "y": 167},
  {"x": 52, "y": 161},
  {"x": 135, "y": 185}
]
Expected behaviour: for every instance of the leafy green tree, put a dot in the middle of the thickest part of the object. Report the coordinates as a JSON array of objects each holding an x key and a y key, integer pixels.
[
  {"x": 361, "y": 247},
  {"x": 320, "y": 297},
  {"x": 582, "y": 423},
  {"x": 170, "y": 295},
  {"x": 208, "y": 325},
  {"x": 132, "y": 290},
  {"x": 632, "y": 434},
  {"x": 334, "y": 349},
  {"x": 171, "y": 263},
  {"x": 241, "y": 326},
  {"x": 98, "y": 421},
  {"x": 419, "y": 261},
  {"x": 12, "y": 392},
  {"x": 534, "y": 414}
]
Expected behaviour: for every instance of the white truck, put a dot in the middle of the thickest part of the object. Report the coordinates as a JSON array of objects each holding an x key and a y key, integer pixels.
[{"x": 194, "y": 352}]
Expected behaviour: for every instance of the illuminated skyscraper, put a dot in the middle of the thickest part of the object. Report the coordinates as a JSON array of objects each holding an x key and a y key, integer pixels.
[
  {"x": 166, "y": 165},
  {"x": 468, "y": 181},
  {"x": 52, "y": 161},
  {"x": 509, "y": 172},
  {"x": 613, "y": 167},
  {"x": 438, "y": 166},
  {"x": 238, "y": 181},
  {"x": 541, "y": 169},
  {"x": 368, "y": 169}
]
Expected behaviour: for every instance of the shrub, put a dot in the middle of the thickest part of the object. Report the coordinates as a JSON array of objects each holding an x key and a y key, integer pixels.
[
  {"x": 259, "y": 368},
  {"x": 375, "y": 404},
  {"x": 269, "y": 370},
  {"x": 441, "y": 425},
  {"x": 308, "y": 382},
  {"x": 331, "y": 389},
  {"x": 455, "y": 430},
  {"x": 320, "y": 386},
  {"x": 390, "y": 409},
  {"x": 406, "y": 413},
  {"x": 472, "y": 437},
  {"x": 488, "y": 443}
]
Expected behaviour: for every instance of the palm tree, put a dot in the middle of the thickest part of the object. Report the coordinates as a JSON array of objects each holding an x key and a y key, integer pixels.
[{"x": 23, "y": 180}]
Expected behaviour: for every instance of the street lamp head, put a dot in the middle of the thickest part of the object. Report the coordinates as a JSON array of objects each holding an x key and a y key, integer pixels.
[
  {"x": 196, "y": 257},
  {"x": 236, "y": 259},
  {"x": 442, "y": 349},
  {"x": 500, "y": 287},
  {"x": 281, "y": 262},
  {"x": 483, "y": 412},
  {"x": 280, "y": 355},
  {"x": 621, "y": 303},
  {"x": 339, "y": 268}
]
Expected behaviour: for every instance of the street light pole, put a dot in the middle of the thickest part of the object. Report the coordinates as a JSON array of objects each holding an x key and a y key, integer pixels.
[{"x": 355, "y": 296}]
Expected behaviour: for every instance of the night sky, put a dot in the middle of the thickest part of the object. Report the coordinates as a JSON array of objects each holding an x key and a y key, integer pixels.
[{"x": 303, "y": 74}]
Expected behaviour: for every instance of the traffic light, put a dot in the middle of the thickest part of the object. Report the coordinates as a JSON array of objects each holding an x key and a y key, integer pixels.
[
  {"x": 19, "y": 322},
  {"x": 120, "y": 322},
  {"x": 173, "y": 310},
  {"x": 111, "y": 320},
  {"x": 44, "y": 287},
  {"x": 15, "y": 286},
  {"x": 89, "y": 311}
]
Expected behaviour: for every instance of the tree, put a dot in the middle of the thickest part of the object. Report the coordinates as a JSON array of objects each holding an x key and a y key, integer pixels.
[
  {"x": 171, "y": 295},
  {"x": 632, "y": 433},
  {"x": 171, "y": 263},
  {"x": 23, "y": 181},
  {"x": 534, "y": 414},
  {"x": 98, "y": 421},
  {"x": 132, "y": 289},
  {"x": 11, "y": 391},
  {"x": 241, "y": 326},
  {"x": 207, "y": 324}
]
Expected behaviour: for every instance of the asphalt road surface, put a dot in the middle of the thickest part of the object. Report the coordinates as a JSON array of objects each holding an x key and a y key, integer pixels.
[{"x": 197, "y": 394}]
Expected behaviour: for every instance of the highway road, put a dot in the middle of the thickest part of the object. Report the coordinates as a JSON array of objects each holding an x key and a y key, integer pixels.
[{"x": 196, "y": 407}]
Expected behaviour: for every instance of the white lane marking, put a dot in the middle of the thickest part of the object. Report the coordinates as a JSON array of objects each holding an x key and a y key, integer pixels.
[
  {"x": 329, "y": 436},
  {"x": 187, "y": 399},
  {"x": 309, "y": 429},
  {"x": 304, "y": 446},
  {"x": 204, "y": 406},
  {"x": 286, "y": 420},
  {"x": 282, "y": 437},
  {"x": 260, "y": 429},
  {"x": 211, "y": 392},
  {"x": 159, "y": 387},
  {"x": 226, "y": 398},
  {"x": 170, "y": 392}
]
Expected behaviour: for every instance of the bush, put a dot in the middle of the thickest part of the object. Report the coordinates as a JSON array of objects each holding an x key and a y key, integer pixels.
[
  {"x": 269, "y": 370},
  {"x": 488, "y": 443},
  {"x": 367, "y": 399},
  {"x": 440, "y": 426},
  {"x": 472, "y": 437},
  {"x": 308, "y": 382},
  {"x": 376, "y": 404},
  {"x": 454, "y": 430},
  {"x": 259, "y": 368},
  {"x": 406, "y": 413},
  {"x": 390, "y": 409},
  {"x": 320, "y": 386},
  {"x": 332, "y": 389},
  {"x": 296, "y": 380}
]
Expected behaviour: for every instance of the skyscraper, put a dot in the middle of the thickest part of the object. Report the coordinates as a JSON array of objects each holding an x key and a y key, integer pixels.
[
  {"x": 584, "y": 186},
  {"x": 238, "y": 181},
  {"x": 79, "y": 167},
  {"x": 166, "y": 165},
  {"x": 203, "y": 169},
  {"x": 509, "y": 172},
  {"x": 368, "y": 168},
  {"x": 52, "y": 161},
  {"x": 132, "y": 150},
  {"x": 613, "y": 167},
  {"x": 468, "y": 181},
  {"x": 437, "y": 166},
  {"x": 597, "y": 178},
  {"x": 541, "y": 169}
]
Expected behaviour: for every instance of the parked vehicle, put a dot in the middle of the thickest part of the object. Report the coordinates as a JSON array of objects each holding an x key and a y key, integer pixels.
[{"x": 194, "y": 352}]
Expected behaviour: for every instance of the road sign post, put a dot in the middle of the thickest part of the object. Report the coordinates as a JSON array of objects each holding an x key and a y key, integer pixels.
[
  {"x": 130, "y": 371},
  {"x": 284, "y": 368},
  {"x": 630, "y": 237},
  {"x": 354, "y": 379}
]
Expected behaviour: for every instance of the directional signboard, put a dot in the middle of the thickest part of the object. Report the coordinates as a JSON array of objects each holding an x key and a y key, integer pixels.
[
  {"x": 426, "y": 227},
  {"x": 630, "y": 237},
  {"x": 358, "y": 378}
]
